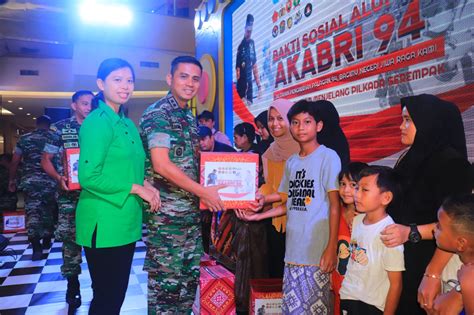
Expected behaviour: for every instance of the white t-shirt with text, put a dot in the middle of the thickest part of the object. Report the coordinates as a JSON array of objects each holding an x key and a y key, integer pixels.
[{"x": 307, "y": 181}]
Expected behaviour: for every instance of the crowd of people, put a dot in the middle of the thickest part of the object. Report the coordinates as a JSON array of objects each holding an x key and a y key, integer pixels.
[{"x": 346, "y": 237}]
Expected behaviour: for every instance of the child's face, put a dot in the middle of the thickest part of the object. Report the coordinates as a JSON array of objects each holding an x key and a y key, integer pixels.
[
  {"x": 443, "y": 233},
  {"x": 276, "y": 123},
  {"x": 262, "y": 131},
  {"x": 240, "y": 141},
  {"x": 368, "y": 196},
  {"x": 304, "y": 128},
  {"x": 347, "y": 190}
]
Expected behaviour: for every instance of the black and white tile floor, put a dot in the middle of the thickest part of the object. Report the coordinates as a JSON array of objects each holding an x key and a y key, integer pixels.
[{"x": 37, "y": 287}]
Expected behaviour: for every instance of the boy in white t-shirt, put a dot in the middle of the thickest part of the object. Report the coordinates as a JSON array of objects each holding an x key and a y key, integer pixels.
[{"x": 373, "y": 280}]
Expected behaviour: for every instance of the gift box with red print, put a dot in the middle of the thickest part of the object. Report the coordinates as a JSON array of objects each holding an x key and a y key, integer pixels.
[
  {"x": 265, "y": 296},
  {"x": 71, "y": 165},
  {"x": 216, "y": 292}
]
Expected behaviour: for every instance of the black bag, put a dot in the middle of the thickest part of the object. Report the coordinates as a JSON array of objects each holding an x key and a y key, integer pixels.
[{"x": 250, "y": 245}]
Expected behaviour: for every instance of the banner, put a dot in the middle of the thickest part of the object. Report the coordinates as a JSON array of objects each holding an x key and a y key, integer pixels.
[{"x": 361, "y": 55}]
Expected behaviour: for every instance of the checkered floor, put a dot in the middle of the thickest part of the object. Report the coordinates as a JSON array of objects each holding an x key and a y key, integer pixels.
[{"x": 37, "y": 287}]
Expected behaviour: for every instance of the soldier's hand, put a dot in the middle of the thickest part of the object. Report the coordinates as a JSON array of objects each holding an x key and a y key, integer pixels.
[
  {"x": 210, "y": 198},
  {"x": 62, "y": 181}
]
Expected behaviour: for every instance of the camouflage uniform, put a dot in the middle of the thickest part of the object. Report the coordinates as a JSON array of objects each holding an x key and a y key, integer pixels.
[
  {"x": 38, "y": 187},
  {"x": 174, "y": 244},
  {"x": 64, "y": 135}
]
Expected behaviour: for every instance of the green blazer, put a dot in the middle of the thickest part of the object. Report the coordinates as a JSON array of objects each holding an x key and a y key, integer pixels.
[{"x": 111, "y": 160}]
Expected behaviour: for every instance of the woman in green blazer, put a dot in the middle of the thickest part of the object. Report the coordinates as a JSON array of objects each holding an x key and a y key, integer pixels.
[{"x": 111, "y": 174}]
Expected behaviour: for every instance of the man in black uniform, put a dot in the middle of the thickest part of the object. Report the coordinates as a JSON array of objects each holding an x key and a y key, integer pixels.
[{"x": 247, "y": 63}]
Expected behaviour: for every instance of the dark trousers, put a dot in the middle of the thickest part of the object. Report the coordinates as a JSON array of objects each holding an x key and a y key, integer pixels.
[
  {"x": 276, "y": 251},
  {"x": 417, "y": 257},
  {"x": 353, "y": 307},
  {"x": 206, "y": 222},
  {"x": 110, "y": 270}
]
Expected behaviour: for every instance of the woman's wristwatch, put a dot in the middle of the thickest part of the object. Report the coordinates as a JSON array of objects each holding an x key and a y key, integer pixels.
[{"x": 414, "y": 236}]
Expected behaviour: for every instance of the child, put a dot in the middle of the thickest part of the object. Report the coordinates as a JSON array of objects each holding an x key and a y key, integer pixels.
[
  {"x": 310, "y": 181},
  {"x": 454, "y": 233},
  {"x": 244, "y": 135},
  {"x": 348, "y": 179},
  {"x": 373, "y": 280}
]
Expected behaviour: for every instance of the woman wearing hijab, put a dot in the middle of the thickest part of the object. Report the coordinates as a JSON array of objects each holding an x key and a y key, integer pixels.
[
  {"x": 434, "y": 167},
  {"x": 332, "y": 135},
  {"x": 274, "y": 160},
  {"x": 265, "y": 139}
]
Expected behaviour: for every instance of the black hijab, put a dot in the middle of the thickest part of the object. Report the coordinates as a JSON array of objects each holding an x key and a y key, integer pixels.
[
  {"x": 332, "y": 135},
  {"x": 438, "y": 126},
  {"x": 263, "y": 119}
]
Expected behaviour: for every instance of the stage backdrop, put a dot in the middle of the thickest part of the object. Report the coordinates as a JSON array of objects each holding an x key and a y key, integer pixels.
[{"x": 361, "y": 55}]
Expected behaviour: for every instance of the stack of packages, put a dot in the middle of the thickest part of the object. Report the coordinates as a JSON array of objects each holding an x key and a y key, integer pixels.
[
  {"x": 215, "y": 293},
  {"x": 265, "y": 296}
]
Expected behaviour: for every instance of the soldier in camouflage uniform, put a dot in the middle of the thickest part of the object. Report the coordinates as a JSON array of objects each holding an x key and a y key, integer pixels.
[
  {"x": 64, "y": 135},
  {"x": 171, "y": 141},
  {"x": 38, "y": 187}
]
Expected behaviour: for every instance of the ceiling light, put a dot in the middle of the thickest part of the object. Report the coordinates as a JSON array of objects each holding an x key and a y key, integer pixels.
[
  {"x": 20, "y": 108},
  {"x": 92, "y": 12},
  {"x": 4, "y": 111},
  {"x": 10, "y": 101},
  {"x": 34, "y": 118},
  {"x": 28, "y": 114}
]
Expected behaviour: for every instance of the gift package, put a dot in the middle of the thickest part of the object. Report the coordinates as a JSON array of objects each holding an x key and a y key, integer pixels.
[
  {"x": 265, "y": 296},
  {"x": 237, "y": 171},
  {"x": 71, "y": 164},
  {"x": 13, "y": 221},
  {"x": 216, "y": 292}
]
